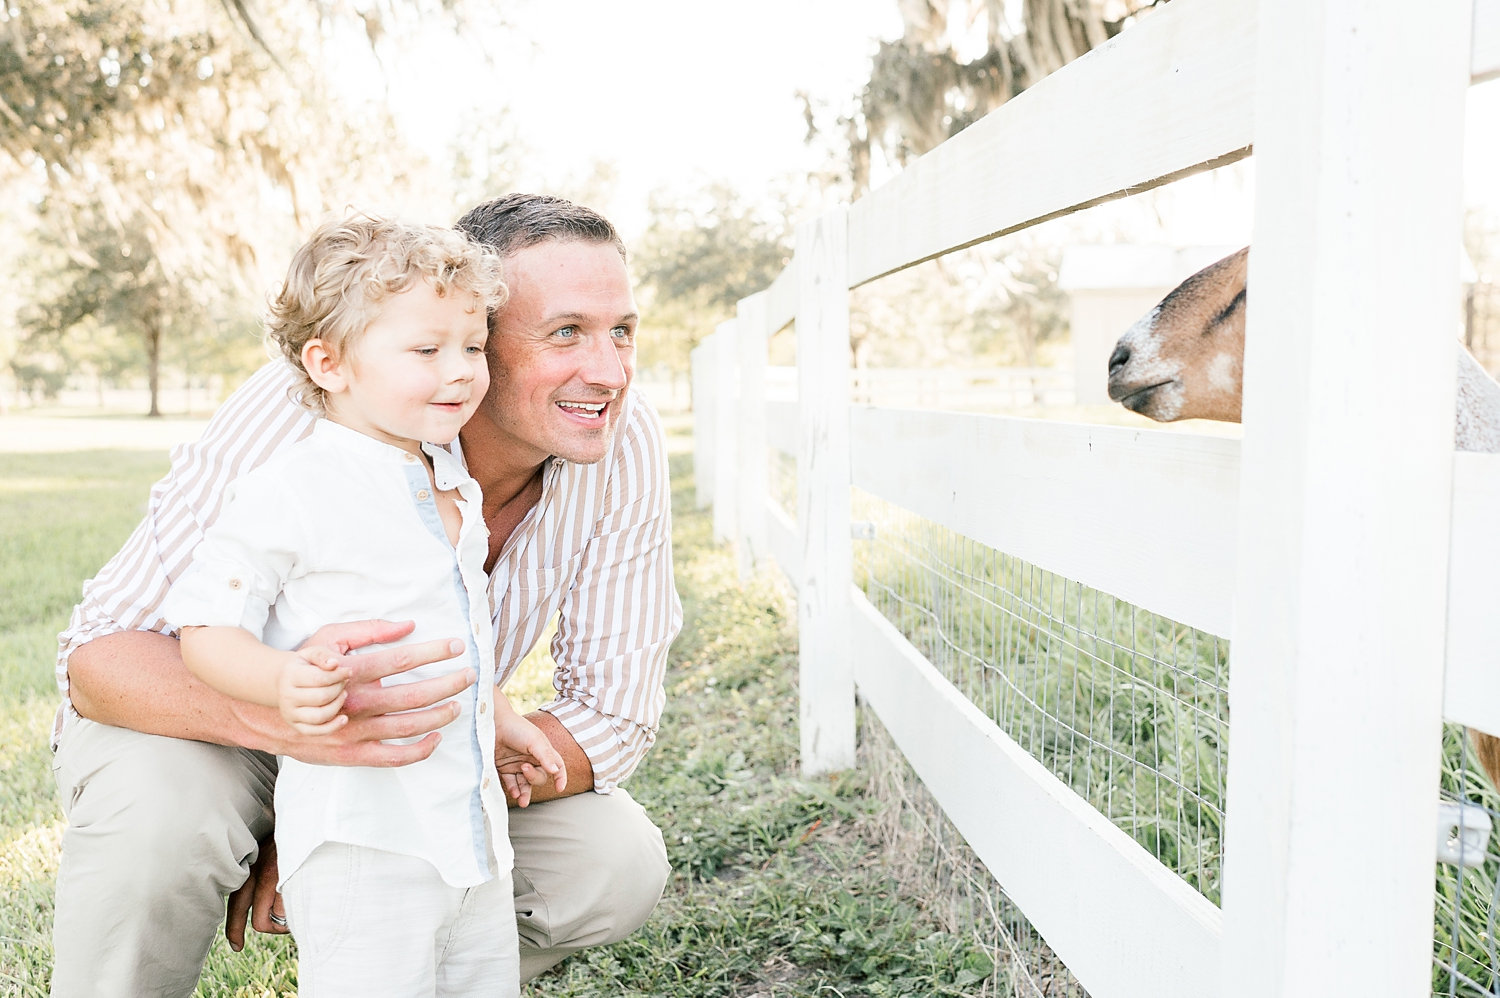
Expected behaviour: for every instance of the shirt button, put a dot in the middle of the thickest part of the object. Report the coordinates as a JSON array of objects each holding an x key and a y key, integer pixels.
[
  {"x": 484, "y": 708},
  {"x": 235, "y": 583},
  {"x": 411, "y": 459},
  {"x": 423, "y": 494},
  {"x": 486, "y": 784}
]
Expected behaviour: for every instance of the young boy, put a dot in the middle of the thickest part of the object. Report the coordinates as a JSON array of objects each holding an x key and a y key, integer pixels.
[{"x": 396, "y": 881}]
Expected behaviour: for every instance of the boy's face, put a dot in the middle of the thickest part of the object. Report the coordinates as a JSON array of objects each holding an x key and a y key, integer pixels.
[
  {"x": 563, "y": 352},
  {"x": 417, "y": 372}
]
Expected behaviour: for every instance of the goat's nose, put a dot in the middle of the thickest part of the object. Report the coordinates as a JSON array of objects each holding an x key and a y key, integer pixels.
[{"x": 1119, "y": 358}]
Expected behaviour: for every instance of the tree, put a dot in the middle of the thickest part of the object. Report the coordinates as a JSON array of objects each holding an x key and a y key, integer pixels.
[
  {"x": 699, "y": 256},
  {"x": 170, "y": 128},
  {"x": 122, "y": 290}
]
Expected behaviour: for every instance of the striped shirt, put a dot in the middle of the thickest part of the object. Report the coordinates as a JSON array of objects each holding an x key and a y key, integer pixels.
[{"x": 595, "y": 552}]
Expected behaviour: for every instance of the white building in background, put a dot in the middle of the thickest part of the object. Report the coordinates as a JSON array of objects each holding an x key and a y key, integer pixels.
[{"x": 1110, "y": 286}]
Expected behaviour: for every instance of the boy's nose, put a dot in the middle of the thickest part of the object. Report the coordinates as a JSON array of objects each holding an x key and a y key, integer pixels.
[{"x": 459, "y": 368}]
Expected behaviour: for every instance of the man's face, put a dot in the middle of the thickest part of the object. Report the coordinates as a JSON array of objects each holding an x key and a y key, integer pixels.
[{"x": 562, "y": 352}]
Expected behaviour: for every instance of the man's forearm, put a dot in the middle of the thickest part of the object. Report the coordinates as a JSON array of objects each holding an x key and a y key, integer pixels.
[
  {"x": 137, "y": 680},
  {"x": 580, "y": 769}
]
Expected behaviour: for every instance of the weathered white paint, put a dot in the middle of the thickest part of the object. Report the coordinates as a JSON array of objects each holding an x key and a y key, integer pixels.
[
  {"x": 1147, "y": 515},
  {"x": 781, "y": 299},
  {"x": 1172, "y": 95},
  {"x": 782, "y": 540},
  {"x": 826, "y": 683},
  {"x": 703, "y": 422},
  {"x": 725, "y": 380},
  {"x": 750, "y": 326},
  {"x": 1125, "y": 925},
  {"x": 1340, "y": 609},
  {"x": 783, "y": 427}
]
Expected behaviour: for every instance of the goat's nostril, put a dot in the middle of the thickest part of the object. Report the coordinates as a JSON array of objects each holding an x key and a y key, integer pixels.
[{"x": 1119, "y": 358}]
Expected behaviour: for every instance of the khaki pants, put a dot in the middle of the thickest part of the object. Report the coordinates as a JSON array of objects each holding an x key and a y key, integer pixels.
[{"x": 161, "y": 830}]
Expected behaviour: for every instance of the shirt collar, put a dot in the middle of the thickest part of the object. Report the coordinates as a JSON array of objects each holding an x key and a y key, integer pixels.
[{"x": 448, "y": 470}]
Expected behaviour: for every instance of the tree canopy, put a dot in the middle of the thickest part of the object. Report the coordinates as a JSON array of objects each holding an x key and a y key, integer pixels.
[
  {"x": 197, "y": 137},
  {"x": 700, "y": 255},
  {"x": 956, "y": 61}
]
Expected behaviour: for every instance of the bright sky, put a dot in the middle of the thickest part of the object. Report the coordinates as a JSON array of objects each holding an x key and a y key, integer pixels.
[
  {"x": 678, "y": 93},
  {"x": 668, "y": 92}
]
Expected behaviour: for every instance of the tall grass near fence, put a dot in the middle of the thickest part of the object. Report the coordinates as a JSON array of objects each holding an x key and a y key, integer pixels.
[{"x": 1465, "y": 958}]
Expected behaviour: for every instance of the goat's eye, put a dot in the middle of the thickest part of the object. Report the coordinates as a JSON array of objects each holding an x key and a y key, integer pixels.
[{"x": 1231, "y": 308}]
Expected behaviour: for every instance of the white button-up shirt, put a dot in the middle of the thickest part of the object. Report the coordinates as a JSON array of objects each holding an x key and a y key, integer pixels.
[{"x": 342, "y": 527}]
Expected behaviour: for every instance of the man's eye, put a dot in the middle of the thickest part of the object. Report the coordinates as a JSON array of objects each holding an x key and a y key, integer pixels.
[{"x": 622, "y": 333}]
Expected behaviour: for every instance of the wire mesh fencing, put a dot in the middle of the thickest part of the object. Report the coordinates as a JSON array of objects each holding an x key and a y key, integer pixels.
[
  {"x": 1130, "y": 710},
  {"x": 1464, "y": 953}
]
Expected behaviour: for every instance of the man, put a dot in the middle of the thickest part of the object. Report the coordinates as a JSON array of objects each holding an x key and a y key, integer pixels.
[{"x": 167, "y": 784}]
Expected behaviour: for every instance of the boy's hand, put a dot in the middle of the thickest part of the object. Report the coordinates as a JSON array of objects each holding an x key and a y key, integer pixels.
[
  {"x": 529, "y": 759},
  {"x": 311, "y": 690}
]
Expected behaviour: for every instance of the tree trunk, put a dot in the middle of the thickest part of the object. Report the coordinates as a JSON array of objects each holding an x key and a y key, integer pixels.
[{"x": 153, "y": 363}]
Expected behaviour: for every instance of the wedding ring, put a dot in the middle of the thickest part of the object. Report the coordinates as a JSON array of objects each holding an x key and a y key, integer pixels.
[{"x": 277, "y": 919}]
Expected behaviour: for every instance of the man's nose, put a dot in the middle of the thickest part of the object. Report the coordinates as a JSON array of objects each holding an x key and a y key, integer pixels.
[{"x": 605, "y": 364}]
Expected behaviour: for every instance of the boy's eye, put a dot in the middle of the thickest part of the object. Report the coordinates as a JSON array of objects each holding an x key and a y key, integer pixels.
[
  {"x": 427, "y": 351},
  {"x": 474, "y": 349}
]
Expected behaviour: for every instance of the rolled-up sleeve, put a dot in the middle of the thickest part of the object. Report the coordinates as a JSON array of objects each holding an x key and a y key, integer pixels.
[
  {"x": 620, "y": 616},
  {"x": 241, "y": 564}
]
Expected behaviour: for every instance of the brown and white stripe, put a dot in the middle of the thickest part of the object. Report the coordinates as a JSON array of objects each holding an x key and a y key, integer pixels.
[{"x": 595, "y": 552}]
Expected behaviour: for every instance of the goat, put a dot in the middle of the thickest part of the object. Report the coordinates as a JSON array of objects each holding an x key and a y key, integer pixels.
[{"x": 1184, "y": 360}]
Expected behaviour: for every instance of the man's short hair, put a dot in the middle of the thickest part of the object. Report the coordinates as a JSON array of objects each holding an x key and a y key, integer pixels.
[
  {"x": 517, "y": 221},
  {"x": 339, "y": 277}
]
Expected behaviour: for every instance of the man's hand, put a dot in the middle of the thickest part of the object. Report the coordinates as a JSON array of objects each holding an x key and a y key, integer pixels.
[
  {"x": 256, "y": 898},
  {"x": 375, "y": 712}
]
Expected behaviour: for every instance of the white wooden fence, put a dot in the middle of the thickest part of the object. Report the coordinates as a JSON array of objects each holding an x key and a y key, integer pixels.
[{"x": 1343, "y": 547}]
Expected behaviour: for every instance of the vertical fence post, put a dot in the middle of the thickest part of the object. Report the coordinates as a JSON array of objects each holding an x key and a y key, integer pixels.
[
  {"x": 1345, "y": 489},
  {"x": 703, "y": 422},
  {"x": 752, "y": 336},
  {"x": 726, "y": 437},
  {"x": 823, "y": 610}
]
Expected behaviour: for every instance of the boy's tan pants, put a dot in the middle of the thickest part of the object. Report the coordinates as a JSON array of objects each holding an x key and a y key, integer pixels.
[{"x": 161, "y": 830}]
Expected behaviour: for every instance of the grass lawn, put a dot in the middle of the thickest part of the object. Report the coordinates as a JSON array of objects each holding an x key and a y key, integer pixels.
[{"x": 780, "y": 889}]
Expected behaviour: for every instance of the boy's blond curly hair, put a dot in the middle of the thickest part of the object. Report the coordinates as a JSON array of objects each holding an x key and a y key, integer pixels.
[{"x": 339, "y": 277}]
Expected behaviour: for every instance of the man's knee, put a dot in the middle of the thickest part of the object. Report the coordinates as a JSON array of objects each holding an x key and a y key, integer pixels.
[
  {"x": 589, "y": 870},
  {"x": 633, "y": 853},
  {"x": 159, "y": 830},
  {"x": 164, "y": 810}
]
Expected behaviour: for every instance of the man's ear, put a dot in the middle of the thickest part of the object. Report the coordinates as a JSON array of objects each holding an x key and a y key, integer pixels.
[{"x": 325, "y": 368}]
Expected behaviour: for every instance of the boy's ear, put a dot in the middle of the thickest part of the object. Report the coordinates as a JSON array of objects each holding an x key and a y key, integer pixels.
[{"x": 323, "y": 367}]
